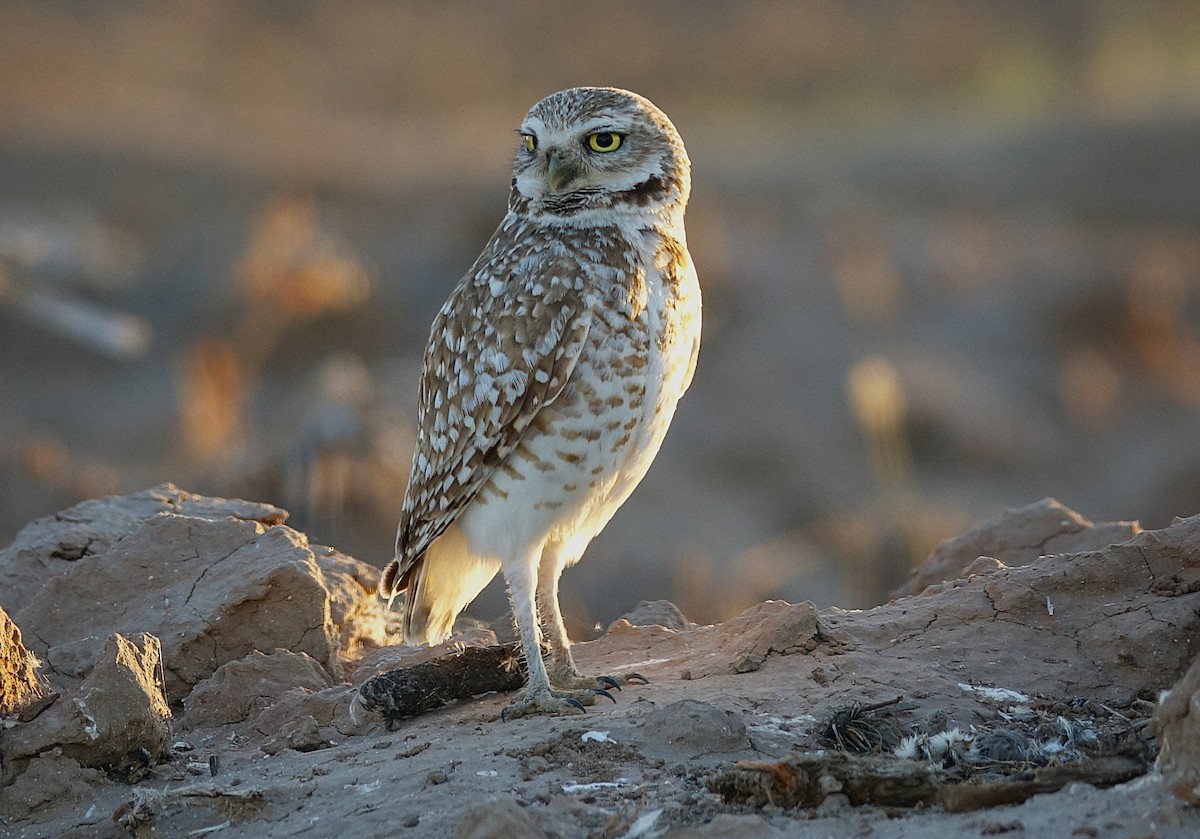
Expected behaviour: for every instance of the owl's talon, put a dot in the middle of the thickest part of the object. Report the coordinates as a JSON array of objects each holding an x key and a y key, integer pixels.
[
  {"x": 609, "y": 682},
  {"x": 637, "y": 679},
  {"x": 552, "y": 703},
  {"x": 605, "y": 694}
]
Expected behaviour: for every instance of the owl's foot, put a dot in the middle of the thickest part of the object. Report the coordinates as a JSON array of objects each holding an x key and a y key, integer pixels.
[
  {"x": 573, "y": 680},
  {"x": 553, "y": 703}
]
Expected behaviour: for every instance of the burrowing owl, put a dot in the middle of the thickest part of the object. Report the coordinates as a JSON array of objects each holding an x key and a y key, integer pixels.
[{"x": 550, "y": 376}]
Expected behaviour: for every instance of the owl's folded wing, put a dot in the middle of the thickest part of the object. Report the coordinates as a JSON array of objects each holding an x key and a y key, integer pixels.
[{"x": 489, "y": 368}]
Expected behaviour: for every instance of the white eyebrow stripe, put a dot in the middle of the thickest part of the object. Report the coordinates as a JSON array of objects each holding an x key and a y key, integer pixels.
[{"x": 532, "y": 126}]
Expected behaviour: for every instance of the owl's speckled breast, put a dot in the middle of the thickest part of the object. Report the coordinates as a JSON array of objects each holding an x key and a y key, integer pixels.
[{"x": 595, "y": 442}]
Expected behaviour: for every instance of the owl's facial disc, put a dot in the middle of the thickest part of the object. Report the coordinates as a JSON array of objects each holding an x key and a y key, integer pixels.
[
  {"x": 590, "y": 149},
  {"x": 601, "y": 156},
  {"x": 566, "y": 159}
]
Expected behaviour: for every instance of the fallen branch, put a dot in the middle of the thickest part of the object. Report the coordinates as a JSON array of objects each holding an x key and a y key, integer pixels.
[
  {"x": 1097, "y": 771},
  {"x": 137, "y": 815},
  {"x": 805, "y": 779}
]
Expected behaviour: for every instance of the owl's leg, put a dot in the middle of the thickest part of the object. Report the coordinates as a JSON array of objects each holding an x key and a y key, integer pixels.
[
  {"x": 563, "y": 672},
  {"x": 538, "y": 697}
]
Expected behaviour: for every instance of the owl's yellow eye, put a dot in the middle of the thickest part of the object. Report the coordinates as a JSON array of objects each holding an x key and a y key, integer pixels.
[
  {"x": 603, "y": 141},
  {"x": 530, "y": 142}
]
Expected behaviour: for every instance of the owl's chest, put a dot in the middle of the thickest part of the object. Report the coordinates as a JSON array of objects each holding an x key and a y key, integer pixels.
[
  {"x": 645, "y": 324},
  {"x": 635, "y": 364},
  {"x": 588, "y": 449}
]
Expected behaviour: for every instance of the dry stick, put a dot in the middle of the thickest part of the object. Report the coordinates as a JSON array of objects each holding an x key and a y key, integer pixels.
[{"x": 804, "y": 780}]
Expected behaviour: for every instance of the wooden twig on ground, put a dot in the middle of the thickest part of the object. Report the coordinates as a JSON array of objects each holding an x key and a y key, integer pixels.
[{"x": 805, "y": 779}]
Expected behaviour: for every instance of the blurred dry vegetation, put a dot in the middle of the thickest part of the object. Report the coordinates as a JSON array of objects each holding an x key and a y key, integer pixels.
[{"x": 950, "y": 254}]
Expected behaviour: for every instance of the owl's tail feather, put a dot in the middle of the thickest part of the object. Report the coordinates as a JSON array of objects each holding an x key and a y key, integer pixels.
[
  {"x": 389, "y": 586},
  {"x": 439, "y": 585}
]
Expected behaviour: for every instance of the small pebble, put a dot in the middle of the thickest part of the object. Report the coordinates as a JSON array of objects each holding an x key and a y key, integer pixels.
[
  {"x": 747, "y": 664},
  {"x": 834, "y": 804},
  {"x": 410, "y": 820}
]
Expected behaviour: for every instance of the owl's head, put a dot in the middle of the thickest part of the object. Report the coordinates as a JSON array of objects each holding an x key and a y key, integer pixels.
[{"x": 592, "y": 149}]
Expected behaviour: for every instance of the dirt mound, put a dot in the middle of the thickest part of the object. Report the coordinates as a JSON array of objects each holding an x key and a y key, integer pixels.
[
  {"x": 214, "y": 580},
  {"x": 47, "y": 548},
  {"x": 198, "y": 647},
  {"x": 1017, "y": 537},
  {"x": 115, "y": 719},
  {"x": 20, "y": 684}
]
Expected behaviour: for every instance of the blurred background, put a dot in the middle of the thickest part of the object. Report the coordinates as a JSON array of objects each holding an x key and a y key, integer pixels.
[{"x": 949, "y": 251}]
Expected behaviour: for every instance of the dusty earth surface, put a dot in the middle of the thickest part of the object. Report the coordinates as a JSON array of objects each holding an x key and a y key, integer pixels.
[{"x": 175, "y": 665}]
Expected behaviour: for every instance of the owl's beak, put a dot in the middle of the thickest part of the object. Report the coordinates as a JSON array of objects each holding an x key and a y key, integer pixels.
[{"x": 559, "y": 172}]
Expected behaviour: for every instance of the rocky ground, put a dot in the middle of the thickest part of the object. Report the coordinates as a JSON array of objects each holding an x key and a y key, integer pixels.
[{"x": 175, "y": 665}]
